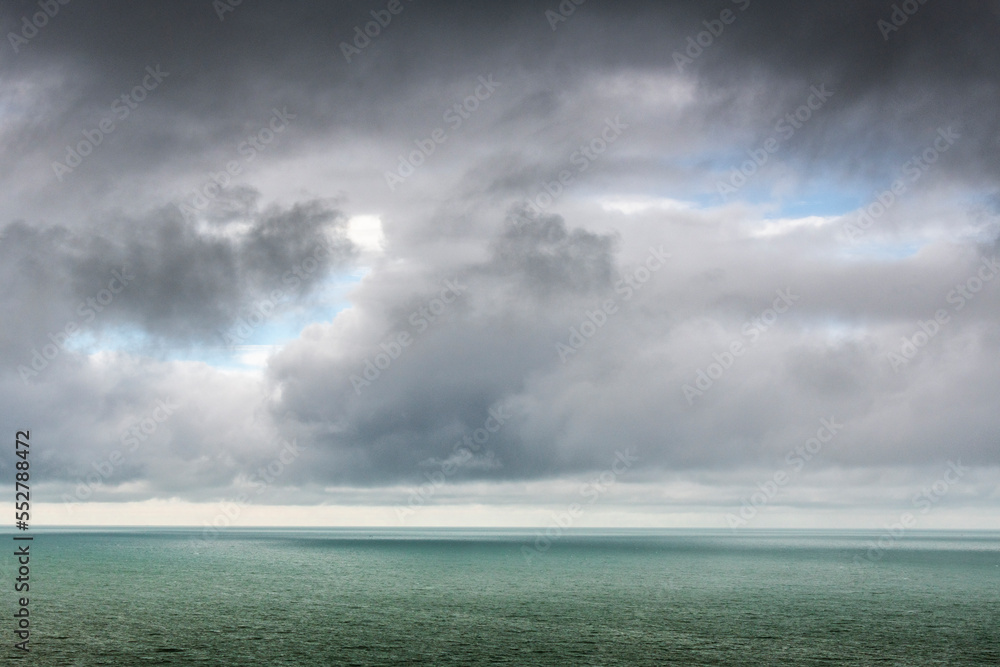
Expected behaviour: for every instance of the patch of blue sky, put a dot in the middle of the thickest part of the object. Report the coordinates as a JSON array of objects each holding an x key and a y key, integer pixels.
[
  {"x": 282, "y": 325},
  {"x": 294, "y": 313},
  {"x": 723, "y": 183},
  {"x": 107, "y": 339},
  {"x": 882, "y": 250},
  {"x": 289, "y": 319},
  {"x": 818, "y": 199}
]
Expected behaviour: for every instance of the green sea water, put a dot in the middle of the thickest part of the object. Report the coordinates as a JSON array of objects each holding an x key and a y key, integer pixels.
[{"x": 480, "y": 597}]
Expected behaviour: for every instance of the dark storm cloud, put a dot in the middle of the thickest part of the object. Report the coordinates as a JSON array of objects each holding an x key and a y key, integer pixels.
[
  {"x": 936, "y": 70},
  {"x": 496, "y": 349},
  {"x": 523, "y": 287},
  {"x": 478, "y": 354},
  {"x": 163, "y": 275},
  {"x": 546, "y": 257},
  {"x": 226, "y": 76}
]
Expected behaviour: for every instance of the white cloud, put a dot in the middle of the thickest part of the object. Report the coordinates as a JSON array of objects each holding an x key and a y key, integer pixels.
[
  {"x": 636, "y": 205},
  {"x": 782, "y": 226},
  {"x": 366, "y": 232}
]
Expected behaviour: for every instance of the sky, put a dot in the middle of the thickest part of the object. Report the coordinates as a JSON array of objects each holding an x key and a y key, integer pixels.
[{"x": 723, "y": 264}]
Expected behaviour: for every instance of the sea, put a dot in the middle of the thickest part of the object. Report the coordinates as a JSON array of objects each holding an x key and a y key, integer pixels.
[{"x": 505, "y": 597}]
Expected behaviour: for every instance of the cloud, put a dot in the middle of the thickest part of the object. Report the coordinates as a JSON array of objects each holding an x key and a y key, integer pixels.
[
  {"x": 170, "y": 279},
  {"x": 435, "y": 302}
]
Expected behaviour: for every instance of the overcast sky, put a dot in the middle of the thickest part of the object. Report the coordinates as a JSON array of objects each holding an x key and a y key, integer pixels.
[{"x": 637, "y": 253}]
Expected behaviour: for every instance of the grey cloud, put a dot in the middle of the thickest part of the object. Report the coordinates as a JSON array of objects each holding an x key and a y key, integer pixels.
[
  {"x": 525, "y": 285},
  {"x": 176, "y": 282}
]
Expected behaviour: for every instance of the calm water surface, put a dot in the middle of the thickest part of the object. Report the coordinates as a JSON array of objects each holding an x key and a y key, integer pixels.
[{"x": 474, "y": 597}]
